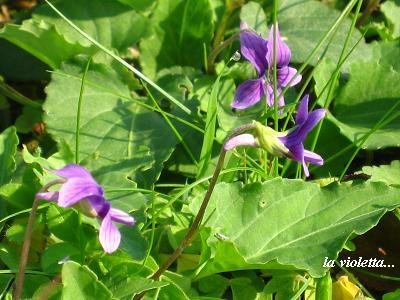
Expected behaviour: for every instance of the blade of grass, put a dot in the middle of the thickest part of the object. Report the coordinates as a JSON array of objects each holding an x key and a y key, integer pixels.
[
  {"x": 302, "y": 289},
  {"x": 23, "y": 212},
  {"x": 9, "y": 92},
  {"x": 342, "y": 58},
  {"x": 78, "y": 112},
  {"x": 331, "y": 30},
  {"x": 289, "y": 162},
  {"x": 173, "y": 128},
  {"x": 375, "y": 128},
  {"x": 120, "y": 60},
  {"x": 381, "y": 123},
  {"x": 276, "y": 118},
  {"x": 188, "y": 187},
  {"x": 378, "y": 275},
  {"x": 209, "y": 135}
]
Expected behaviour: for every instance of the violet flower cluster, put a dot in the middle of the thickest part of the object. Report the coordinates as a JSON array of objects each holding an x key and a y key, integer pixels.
[
  {"x": 288, "y": 143},
  {"x": 260, "y": 53},
  {"x": 83, "y": 192}
]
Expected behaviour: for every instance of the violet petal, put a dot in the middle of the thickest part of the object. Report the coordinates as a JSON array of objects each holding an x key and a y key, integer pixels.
[
  {"x": 249, "y": 93},
  {"x": 313, "y": 158},
  {"x": 121, "y": 217},
  {"x": 72, "y": 170},
  {"x": 302, "y": 110},
  {"x": 283, "y": 53},
  {"x": 270, "y": 96},
  {"x": 109, "y": 235},
  {"x": 285, "y": 75},
  {"x": 75, "y": 189},
  {"x": 254, "y": 49},
  {"x": 245, "y": 139}
]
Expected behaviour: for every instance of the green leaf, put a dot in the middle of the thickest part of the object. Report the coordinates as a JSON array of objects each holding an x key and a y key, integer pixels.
[
  {"x": 60, "y": 221},
  {"x": 141, "y": 5},
  {"x": 126, "y": 285},
  {"x": 283, "y": 284},
  {"x": 111, "y": 23},
  {"x": 43, "y": 41},
  {"x": 247, "y": 288},
  {"x": 214, "y": 285},
  {"x": 391, "y": 10},
  {"x": 120, "y": 142},
  {"x": 18, "y": 196},
  {"x": 291, "y": 221},
  {"x": 8, "y": 148},
  {"x": 5, "y": 280},
  {"x": 18, "y": 65},
  {"x": 29, "y": 117},
  {"x": 178, "y": 289},
  {"x": 79, "y": 282},
  {"x": 303, "y": 23},
  {"x": 180, "y": 28},
  {"x": 133, "y": 242},
  {"x": 389, "y": 174},
  {"x": 209, "y": 135},
  {"x": 253, "y": 14},
  {"x": 322, "y": 75},
  {"x": 387, "y": 53},
  {"x": 31, "y": 284},
  {"x": 55, "y": 253},
  {"x": 370, "y": 92},
  {"x": 334, "y": 167},
  {"x": 392, "y": 296}
]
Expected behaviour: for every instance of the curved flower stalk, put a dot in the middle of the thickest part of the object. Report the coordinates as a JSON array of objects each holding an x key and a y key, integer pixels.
[
  {"x": 260, "y": 53},
  {"x": 83, "y": 192},
  {"x": 288, "y": 143}
]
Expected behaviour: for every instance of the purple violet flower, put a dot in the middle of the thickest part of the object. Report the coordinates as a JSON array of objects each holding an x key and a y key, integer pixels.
[
  {"x": 260, "y": 53},
  {"x": 288, "y": 143},
  {"x": 81, "y": 190},
  {"x": 244, "y": 139},
  {"x": 293, "y": 141}
]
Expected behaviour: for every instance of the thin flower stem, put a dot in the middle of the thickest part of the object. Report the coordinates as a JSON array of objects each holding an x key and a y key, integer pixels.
[
  {"x": 214, "y": 53},
  {"x": 19, "y": 281},
  {"x": 199, "y": 217},
  {"x": 219, "y": 44},
  {"x": 78, "y": 112},
  {"x": 276, "y": 100},
  {"x": 196, "y": 223},
  {"x": 371, "y": 7},
  {"x": 200, "y": 181}
]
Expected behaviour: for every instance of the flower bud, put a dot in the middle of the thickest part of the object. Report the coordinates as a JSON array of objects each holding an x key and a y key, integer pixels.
[
  {"x": 84, "y": 207},
  {"x": 268, "y": 139}
]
